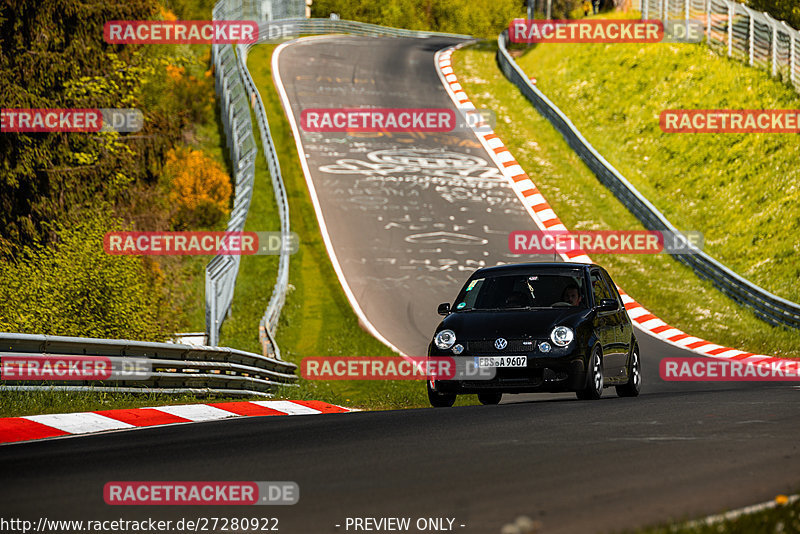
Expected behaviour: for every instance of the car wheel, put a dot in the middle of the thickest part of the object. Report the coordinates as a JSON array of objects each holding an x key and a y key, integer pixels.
[
  {"x": 440, "y": 400},
  {"x": 488, "y": 398},
  {"x": 631, "y": 388},
  {"x": 594, "y": 386}
]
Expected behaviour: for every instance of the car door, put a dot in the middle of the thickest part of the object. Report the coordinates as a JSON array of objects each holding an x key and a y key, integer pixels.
[
  {"x": 603, "y": 321},
  {"x": 623, "y": 330}
]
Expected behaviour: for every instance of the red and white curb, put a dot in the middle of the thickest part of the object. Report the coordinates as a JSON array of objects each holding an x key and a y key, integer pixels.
[
  {"x": 33, "y": 427},
  {"x": 546, "y": 219}
]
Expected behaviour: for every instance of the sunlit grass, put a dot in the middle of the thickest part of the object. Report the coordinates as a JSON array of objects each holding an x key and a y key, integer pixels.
[
  {"x": 741, "y": 190},
  {"x": 661, "y": 284},
  {"x": 784, "y": 518}
]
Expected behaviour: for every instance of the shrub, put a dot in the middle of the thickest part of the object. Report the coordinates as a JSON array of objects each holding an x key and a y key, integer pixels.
[
  {"x": 74, "y": 288},
  {"x": 481, "y": 18},
  {"x": 200, "y": 189}
]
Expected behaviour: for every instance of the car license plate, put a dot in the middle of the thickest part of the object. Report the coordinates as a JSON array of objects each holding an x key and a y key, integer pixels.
[{"x": 502, "y": 361}]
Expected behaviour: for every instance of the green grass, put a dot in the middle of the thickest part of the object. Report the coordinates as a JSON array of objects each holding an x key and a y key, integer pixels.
[
  {"x": 782, "y": 519},
  {"x": 741, "y": 190},
  {"x": 660, "y": 283},
  {"x": 317, "y": 319}
]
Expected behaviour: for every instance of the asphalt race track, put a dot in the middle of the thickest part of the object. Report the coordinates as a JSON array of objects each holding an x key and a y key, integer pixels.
[{"x": 409, "y": 216}]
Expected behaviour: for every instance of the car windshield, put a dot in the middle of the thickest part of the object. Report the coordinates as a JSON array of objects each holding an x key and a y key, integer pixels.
[{"x": 525, "y": 290}]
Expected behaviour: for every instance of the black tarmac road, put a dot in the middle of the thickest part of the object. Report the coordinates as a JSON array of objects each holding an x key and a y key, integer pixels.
[{"x": 409, "y": 216}]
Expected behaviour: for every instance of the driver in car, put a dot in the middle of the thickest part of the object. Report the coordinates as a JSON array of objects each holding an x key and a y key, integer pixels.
[{"x": 572, "y": 295}]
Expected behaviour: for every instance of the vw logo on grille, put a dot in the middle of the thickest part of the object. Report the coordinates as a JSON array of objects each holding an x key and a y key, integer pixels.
[{"x": 500, "y": 343}]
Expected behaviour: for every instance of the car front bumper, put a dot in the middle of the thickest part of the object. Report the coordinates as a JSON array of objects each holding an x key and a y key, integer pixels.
[{"x": 566, "y": 372}]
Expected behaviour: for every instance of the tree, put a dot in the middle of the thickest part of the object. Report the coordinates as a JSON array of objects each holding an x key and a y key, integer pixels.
[{"x": 788, "y": 10}]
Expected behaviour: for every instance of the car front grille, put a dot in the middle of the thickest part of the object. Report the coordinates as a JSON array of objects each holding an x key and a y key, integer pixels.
[{"x": 486, "y": 346}]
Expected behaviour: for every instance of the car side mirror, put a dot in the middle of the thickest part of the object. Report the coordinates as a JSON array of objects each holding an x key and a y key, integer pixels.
[
  {"x": 444, "y": 308},
  {"x": 608, "y": 305}
]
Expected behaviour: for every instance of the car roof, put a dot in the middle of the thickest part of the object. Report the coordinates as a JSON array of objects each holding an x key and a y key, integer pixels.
[{"x": 520, "y": 268}]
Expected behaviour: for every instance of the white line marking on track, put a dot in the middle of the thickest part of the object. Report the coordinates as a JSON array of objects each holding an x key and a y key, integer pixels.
[{"x": 337, "y": 267}]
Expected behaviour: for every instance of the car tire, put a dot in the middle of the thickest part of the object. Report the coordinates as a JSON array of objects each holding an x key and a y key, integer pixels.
[
  {"x": 634, "y": 384},
  {"x": 440, "y": 400},
  {"x": 594, "y": 382},
  {"x": 489, "y": 398}
]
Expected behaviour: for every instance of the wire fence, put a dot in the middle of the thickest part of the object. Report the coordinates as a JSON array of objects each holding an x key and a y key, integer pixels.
[
  {"x": 771, "y": 308},
  {"x": 739, "y": 32}
]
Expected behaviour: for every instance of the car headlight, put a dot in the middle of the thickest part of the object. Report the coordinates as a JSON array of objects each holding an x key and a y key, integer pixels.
[
  {"x": 445, "y": 339},
  {"x": 562, "y": 336}
]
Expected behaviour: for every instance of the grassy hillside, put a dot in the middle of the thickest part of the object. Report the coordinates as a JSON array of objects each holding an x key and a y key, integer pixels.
[
  {"x": 666, "y": 287},
  {"x": 741, "y": 190}
]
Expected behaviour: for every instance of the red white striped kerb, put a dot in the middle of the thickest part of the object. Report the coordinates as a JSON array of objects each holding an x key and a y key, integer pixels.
[
  {"x": 546, "y": 219},
  {"x": 32, "y": 427}
]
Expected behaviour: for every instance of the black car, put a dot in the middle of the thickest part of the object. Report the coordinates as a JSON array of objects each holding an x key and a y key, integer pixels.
[{"x": 539, "y": 327}]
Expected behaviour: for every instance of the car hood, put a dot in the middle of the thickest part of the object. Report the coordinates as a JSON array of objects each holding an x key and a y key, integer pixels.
[{"x": 536, "y": 323}]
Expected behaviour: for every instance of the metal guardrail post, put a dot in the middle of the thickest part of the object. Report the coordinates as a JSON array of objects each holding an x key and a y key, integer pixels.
[
  {"x": 213, "y": 332},
  {"x": 730, "y": 27},
  {"x": 752, "y": 36},
  {"x": 794, "y": 65},
  {"x": 773, "y": 24}
]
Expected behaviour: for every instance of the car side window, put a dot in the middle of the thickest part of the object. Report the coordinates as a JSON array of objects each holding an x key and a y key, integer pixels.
[
  {"x": 599, "y": 288},
  {"x": 612, "y": 288}
]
